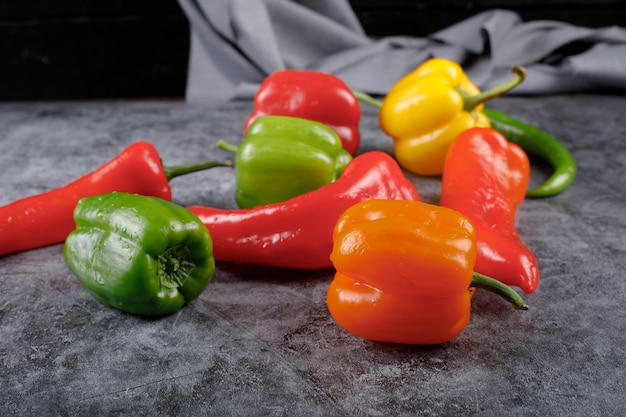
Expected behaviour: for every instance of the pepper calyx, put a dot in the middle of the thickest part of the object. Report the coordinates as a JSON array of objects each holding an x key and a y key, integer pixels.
[{"x": 175, "y": 265}]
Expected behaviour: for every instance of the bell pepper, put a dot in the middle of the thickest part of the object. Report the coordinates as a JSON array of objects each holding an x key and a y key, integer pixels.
[
  {"x": 310, "y": 95},
  {"x": 485, "y": 177},
  {"x": 427, "y": 109},
  {"x": 297, "y": 233},
  {"x": 143, "y": 255},
  {"x": 404, "y": 272},
  {"x": 283, "y": 157},
  {"x": 46, "y": 218}
]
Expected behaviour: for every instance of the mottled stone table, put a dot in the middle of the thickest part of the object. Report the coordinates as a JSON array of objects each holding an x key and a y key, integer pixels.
[{"x": 260, "y": 341}]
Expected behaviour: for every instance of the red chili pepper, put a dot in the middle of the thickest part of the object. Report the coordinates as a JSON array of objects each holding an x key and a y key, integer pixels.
[
  {"x": 310, "y": 95},
  {"x": 485, "y": 177},
  {"x": 47, "y": 218},
  {"x": 298, "y": 233}
]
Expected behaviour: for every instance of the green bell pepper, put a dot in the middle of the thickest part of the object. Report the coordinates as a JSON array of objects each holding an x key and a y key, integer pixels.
[
  {"x": 143, "y": 255},
  {"x": 283, "y": 157}
]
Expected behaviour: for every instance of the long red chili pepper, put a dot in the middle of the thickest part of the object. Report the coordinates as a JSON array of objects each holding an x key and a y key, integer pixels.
[
  {"x": 297, "y": 233},
  {"x": 46, "y": 218},
  {"x": 485, "y": 177}
]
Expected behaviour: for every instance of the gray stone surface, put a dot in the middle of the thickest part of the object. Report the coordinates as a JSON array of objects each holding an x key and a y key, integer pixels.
[{"x": 260, "y": 342}]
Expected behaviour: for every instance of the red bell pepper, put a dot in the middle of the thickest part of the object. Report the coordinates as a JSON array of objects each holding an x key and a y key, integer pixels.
[
  {"x": 312, "y": 95},
  {"x": 297, "y": 233},
  {"x": 47, "y": 218},
  {"x": 485, "y": 177}
]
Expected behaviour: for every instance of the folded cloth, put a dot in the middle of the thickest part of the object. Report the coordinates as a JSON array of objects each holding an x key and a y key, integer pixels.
[{"x": 235, "y": 44}]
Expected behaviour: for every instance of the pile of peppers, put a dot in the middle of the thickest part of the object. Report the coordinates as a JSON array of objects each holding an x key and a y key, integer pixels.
[{"x": 405, "y": 270}]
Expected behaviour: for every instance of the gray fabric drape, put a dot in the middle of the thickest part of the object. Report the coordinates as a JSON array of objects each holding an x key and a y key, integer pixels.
[{"x": 237, "y": 43}]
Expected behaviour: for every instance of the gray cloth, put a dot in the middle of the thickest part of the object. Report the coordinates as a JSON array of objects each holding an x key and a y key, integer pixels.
[{"x": 237, "y": 43}]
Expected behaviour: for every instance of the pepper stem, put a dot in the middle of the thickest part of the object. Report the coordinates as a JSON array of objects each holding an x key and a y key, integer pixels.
[
  {"x": 226, "y": 146},
  {"x": 367, "y": 99},
  {"x": 496, "y": 287},
  {"x": 178, "y": 170},
  {"x": 470, "y": 102}
]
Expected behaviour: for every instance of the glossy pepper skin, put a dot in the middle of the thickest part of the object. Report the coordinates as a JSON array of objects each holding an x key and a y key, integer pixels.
[
  {"x": 143, "y": 255},
  {"x": 297, "y": 233},
  {"x": 403, "y": 272},
  {"x": 427, "y": 109},
  {"x": 283, "y": 157},
  {"x": 485, "y": 177},
  {"x": 310, "y": 95},
  {"x": 46, "y": 218}
]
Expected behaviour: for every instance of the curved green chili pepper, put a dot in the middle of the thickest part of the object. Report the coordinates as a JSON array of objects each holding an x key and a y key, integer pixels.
[{"x": 541, "y": 144}]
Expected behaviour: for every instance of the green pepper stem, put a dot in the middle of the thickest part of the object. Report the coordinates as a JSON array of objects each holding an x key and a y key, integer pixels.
[
  {"x": 367, "y": 99},
  {"x": 178, "y": 170},
  {"x": 226, "y": 146},
  {"x": 471, "y": 102},
  {"x": 496, "y": 287}
]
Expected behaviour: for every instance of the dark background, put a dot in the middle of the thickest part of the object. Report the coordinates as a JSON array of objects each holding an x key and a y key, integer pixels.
[{"x": 87, "y": 49}]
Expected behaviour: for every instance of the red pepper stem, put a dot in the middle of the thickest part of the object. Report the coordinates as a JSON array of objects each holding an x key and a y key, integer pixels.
[
  {"x": 226, "y": 146},
  {"x": 471, "y": 102},
  {"x": 367, "y": 99},
  {"x": 178, "y": 170},
  {"x": 496, "y": 287}
]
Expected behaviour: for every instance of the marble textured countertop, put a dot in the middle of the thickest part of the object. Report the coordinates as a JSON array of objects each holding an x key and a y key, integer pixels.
[{"x": 260, "y": 341}]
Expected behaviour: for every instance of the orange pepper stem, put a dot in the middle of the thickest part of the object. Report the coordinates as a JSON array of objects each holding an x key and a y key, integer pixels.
[
  {"x": 496, "y": 287},
  {"x": 471, "y": 102}
]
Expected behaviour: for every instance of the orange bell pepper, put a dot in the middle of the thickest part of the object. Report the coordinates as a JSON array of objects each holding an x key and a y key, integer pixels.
[
  {"x": 404, "y": 272},
  {"x": 426, "y": 110}
]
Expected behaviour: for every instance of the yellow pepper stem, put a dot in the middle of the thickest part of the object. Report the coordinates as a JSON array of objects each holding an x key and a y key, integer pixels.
[
  {"x": 497, "y": 287},
  {"x": 470, "y": 102},
  {"x": 367, "y": 99}
]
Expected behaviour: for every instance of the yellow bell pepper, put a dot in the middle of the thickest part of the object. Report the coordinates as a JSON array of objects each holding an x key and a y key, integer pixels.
[{"x": 427, "y": 109}]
